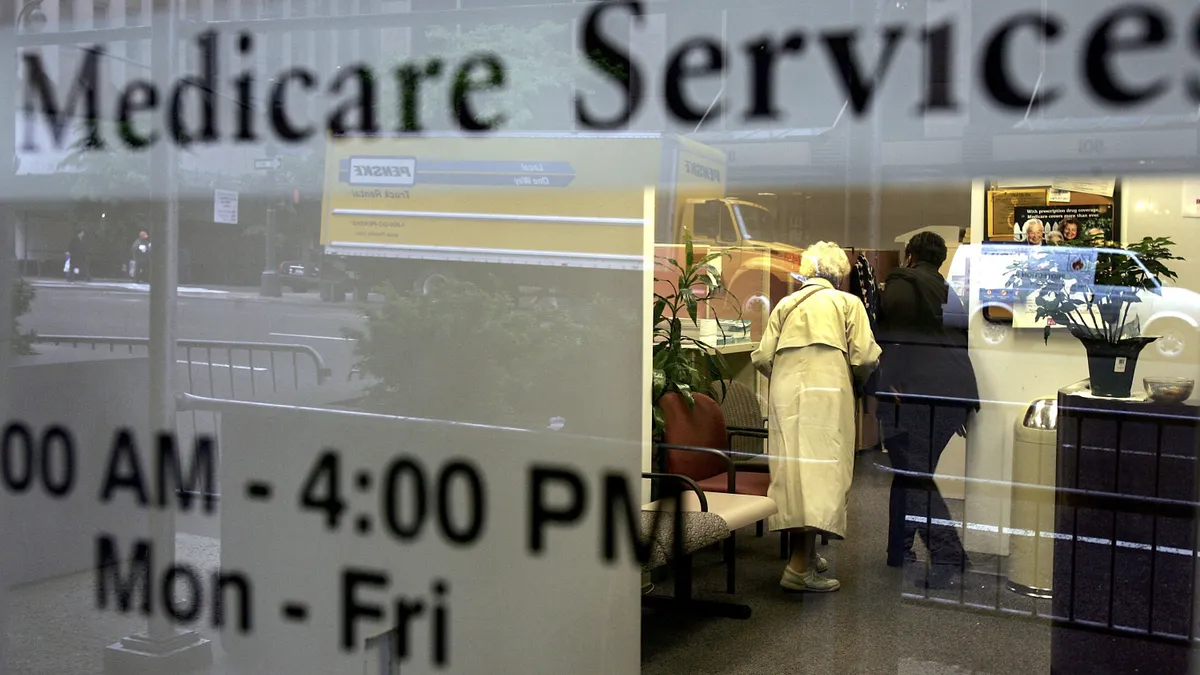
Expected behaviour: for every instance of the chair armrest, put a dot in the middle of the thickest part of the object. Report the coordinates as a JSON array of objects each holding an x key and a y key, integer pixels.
[
  {"x": 730, "y": 469},
  {"x": 747, "y": 432},
  {"x": 744, "y": 461},
  {"x": 753, "y": 467},
  {"x": 686, "y": 482},
  {"x": 677, "y": 519}
]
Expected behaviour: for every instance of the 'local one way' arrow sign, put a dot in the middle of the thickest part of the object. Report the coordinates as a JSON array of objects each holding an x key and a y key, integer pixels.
[{"x": 267, "y": 163}]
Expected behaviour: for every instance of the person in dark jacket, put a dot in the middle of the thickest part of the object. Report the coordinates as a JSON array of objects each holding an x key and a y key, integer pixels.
[
  {"x": 77, "y": 251},
  {"x": 139, "y": 261},
  {"x": 922, "y": 358}
]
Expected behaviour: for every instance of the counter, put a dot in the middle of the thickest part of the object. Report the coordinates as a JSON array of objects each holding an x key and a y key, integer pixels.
[{"x": 1125, "y": 542}]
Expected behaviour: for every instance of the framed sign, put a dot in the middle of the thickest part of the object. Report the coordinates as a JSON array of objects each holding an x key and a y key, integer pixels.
[
  {"x": 1002, "y": 208},
  {"x": 1058, "y": 214},
  {"x": 225, "y": 207}
]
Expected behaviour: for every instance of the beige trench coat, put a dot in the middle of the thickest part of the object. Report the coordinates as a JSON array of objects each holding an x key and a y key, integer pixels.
[{"x": 812, "y": 352}]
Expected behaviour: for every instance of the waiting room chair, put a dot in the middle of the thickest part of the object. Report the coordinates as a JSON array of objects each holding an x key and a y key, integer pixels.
[
  {"x": 696, "y": 444},
  {"x": 746, "y": 425},
  {"x": 702, "y": 520},
  {"x": 747, "y": 435}
]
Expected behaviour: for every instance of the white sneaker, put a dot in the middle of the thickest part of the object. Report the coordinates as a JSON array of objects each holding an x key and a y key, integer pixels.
[
  {"x": 820, "y": 563},
  {"x": 810, "y": 581}
]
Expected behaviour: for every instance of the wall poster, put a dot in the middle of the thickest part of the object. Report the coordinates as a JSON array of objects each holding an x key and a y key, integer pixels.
[{"x": 1061, "y": 223}]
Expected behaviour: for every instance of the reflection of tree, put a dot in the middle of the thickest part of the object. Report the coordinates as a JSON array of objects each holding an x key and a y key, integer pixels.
[
  {"x": 107, "y": 176},
  {"x": 22, "y": 341},
  {"x": 114, "y": 181},
  {"x": 297, "y": 224},
  {"x": 538, "y": 65},
  {"x": 475, "y": 355}
]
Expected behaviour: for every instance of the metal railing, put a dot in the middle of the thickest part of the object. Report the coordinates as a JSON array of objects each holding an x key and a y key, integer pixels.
[
  {"x": 272, "y": 356},
  {"x": 1107, "y": 515},
  {"x": 207, "y": 362}
]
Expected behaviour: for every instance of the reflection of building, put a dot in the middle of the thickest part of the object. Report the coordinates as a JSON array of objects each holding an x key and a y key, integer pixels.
[
  {"x": 51, "y": 206},
  {"x": 818, "y": 163},
  {"x": 816, "y": 144}
]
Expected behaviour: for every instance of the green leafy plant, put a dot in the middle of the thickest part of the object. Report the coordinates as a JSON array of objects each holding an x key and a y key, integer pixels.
[
  {"x": 22, "y": 341},
  {"x": 537, "y": 59},
  {"x": 1090, "y": 285},
  {"x": 684, "y": 365},
  {"x": 297, "y": 224},
  {"x": 115, "y": 181},
  {"x": 474, "y": 354}
]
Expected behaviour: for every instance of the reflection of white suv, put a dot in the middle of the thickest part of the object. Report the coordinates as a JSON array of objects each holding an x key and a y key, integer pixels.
[{"x": 979, "y": 274}]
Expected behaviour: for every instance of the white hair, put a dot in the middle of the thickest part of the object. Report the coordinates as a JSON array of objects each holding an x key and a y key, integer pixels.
[{"x": 826, "y": 260}]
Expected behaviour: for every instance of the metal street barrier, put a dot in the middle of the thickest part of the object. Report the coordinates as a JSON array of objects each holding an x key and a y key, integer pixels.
[
  {"x": 220, "y": 369},
  {"x": 273, "y": 358}
]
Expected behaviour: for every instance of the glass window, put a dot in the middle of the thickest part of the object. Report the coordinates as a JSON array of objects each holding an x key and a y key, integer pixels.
[
  {"x": 335, "y": 340},
  {"x": 728, "y": 228},
  {"x": 711, "y": 220}
]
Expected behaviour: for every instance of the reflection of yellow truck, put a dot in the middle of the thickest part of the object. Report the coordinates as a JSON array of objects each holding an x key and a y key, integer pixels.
[{"x": 413, "y": 208}]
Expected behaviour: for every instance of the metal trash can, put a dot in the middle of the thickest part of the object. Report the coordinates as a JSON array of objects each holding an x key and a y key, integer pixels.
[{"x": 1030, "y": 566}]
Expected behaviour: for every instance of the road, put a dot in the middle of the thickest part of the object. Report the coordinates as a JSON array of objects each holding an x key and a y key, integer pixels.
[{"x": 116, "y": 312}]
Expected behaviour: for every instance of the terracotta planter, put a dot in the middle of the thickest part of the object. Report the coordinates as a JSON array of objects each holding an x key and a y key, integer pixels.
[{"x": 1111, "y": 366}]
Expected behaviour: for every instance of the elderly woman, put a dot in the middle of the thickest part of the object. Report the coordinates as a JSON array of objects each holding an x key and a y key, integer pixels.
[{"x": 816, "y": 347}]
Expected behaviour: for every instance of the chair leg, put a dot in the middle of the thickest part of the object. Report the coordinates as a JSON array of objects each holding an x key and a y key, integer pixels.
[
  {"x": 731, "y": 563},
  {"x": 761, "y": 529},
  {"x": 824, "y": 540},
  {"x": 683, "y": 578}
]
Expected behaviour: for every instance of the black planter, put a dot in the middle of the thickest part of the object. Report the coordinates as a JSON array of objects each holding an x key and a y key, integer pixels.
[{"x": 1111, "y": 366}]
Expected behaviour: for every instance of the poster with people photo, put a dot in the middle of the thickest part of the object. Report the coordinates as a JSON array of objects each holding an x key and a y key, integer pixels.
[{"x": 1036, "y": 225}]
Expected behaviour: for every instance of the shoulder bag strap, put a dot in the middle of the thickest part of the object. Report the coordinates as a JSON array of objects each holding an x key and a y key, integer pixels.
[
  {"x": 783, "y": 322},
  {"x": 783, "y": 319}
]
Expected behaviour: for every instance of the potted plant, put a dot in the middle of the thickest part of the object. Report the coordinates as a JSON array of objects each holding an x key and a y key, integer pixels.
[
  {"x": 1091, "y": 286},
  {"x": 22, "y": 340},
  {"x": 684, "y": 366}
]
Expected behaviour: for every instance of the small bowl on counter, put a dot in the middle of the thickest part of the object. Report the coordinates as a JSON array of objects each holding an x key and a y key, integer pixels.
[{"x": 1169, "y": 389}]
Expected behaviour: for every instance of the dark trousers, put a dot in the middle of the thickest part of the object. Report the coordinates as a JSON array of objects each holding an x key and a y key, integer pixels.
[{"x": 915, "y": 436}]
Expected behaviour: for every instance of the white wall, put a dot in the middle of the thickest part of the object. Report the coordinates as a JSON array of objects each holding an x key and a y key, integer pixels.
[
  {"x": 1152, "y": 207},
  {"x": 1011, "y": 374},
  {"x": 1023, "y": 368}
]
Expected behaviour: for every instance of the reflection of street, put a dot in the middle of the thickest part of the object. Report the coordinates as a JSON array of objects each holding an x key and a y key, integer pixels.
[
  {"x": 304, "y": 319},
  {"x": 299, "y": 320}
]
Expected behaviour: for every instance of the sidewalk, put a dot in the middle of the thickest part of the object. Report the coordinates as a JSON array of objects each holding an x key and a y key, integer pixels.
[
  {"x": 215, "y": 292},
  {"x": 54, "y": 627}
]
